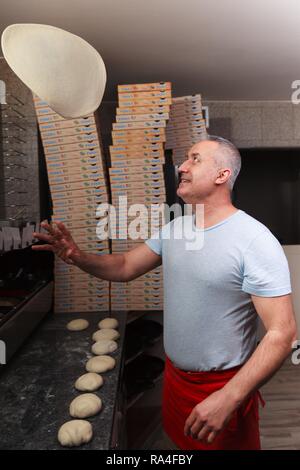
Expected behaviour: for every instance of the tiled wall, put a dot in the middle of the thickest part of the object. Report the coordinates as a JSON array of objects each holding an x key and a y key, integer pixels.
[
  {"x": 252, "y": 124},
  {"x": 248, "y": 124}
]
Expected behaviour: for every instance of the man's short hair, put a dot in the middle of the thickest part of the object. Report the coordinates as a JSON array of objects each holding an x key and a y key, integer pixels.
[{"x": 227, "y": 155}]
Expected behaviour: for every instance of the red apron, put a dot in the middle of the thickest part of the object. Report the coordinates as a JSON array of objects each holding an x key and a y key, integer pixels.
[{"x": 184, "y": 390}]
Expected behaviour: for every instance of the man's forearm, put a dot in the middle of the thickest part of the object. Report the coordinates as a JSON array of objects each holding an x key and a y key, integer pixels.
[
  {"x": 108, "y": 267},
  {"x": 264, "y": 362}
]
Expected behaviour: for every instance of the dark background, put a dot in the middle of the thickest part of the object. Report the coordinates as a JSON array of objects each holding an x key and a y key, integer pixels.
[{"x": 268, "y": 188}]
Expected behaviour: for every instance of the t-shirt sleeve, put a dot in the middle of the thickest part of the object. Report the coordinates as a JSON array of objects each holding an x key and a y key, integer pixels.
[
  {"x": 266, "y": 270},
  {"x": 155, "y": 243}
]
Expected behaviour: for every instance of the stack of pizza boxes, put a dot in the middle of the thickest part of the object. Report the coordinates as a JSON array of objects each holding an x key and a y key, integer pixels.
[
  {"x": 78, "y": 184},
  {"x": 185, "y": 127},
  {"x": 137, "y": 177}
]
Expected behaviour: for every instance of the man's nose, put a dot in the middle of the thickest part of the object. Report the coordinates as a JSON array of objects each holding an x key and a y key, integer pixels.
[{"x": 184, "y": 167}]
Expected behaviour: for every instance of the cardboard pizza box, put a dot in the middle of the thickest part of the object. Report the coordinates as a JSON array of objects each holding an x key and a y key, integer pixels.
[{"x": 156, "y": 86}]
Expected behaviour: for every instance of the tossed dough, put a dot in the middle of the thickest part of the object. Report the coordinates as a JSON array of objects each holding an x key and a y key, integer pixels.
[
  {"x": 104, "y": 346},
  {"x": 75, "y": 432},
  {"x": 100, "y": 364},
  {"x": 108, "y": 323},
  {"x": 60, "y": 67},
  {"x": 89, "y": 382},
  {"x": 107, "y": 333},
  {"x": 87, "y": 404},
  {"x": 78, "y": 325}
]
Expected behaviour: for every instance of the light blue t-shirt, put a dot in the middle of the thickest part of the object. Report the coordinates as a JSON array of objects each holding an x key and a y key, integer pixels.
[{"x": 210, "y": 322}]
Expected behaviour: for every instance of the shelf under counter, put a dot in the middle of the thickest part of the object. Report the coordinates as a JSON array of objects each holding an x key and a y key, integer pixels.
[
  {"x": 133, "y": 315},
  {"x": 143, "y": 410},
  {"x": 144, "y": 416}
]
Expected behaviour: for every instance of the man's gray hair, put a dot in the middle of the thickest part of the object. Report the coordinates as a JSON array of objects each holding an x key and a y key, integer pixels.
[{"x": 228, "y": 156}]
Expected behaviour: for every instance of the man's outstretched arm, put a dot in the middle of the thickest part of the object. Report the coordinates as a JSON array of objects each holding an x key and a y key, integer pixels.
[{"x": 114, "y": 267}]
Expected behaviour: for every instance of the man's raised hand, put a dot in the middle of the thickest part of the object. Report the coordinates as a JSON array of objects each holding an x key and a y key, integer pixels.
[{"x": 59, "y": 241}]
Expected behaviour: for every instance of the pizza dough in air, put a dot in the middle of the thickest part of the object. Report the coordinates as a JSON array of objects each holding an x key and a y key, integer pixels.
[
  {"x": 104, "y": 346},
  {"x": 100, "y": 364},
  {"x": 59, "y": 67},
  {"x": 77, "y": 325},
  {"x": 75, "y": 432},
  {"x": 89, "y": 382},
  {"x": 108, "y": 323},
  {"x": 87, "y": 404},
  {"x": 107, "y": 333}
]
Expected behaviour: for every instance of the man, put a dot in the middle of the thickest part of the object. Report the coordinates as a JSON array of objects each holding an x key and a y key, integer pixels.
[{"x": 213, "y": 297}]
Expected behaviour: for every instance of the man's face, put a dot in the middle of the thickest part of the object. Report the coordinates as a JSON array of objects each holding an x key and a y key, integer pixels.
[{"x": 198, "y": 173}]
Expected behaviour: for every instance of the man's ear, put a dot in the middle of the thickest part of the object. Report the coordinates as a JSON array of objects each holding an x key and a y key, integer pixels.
[{"x": 224, "y": 175}]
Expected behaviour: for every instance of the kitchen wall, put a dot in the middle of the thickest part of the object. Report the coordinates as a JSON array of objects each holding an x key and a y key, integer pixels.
[
  {"x": 248, "y": 124},
  {"x": 258, "y": 124}
]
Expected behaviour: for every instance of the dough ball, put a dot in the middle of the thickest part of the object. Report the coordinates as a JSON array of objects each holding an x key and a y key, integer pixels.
[
  {"x": 108, "y": 323},
  {"x": 100, "y": 364},
  {"x": 104, "y": 346},
  {"x": 78, "y": 325},
  {"x": 107, "y": 333},
  {"x": 89, "y": 382},
  {"x": 87, "y": 404},
  {"x": 75, "y": 432}
]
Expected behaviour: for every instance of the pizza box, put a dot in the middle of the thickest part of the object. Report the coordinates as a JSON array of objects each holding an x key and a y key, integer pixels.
[
  {"x": 160, "y": 86},
  {"x": 66, "y": 123},
  {"x": 143, "y": 139},
  {"x": 144, "y": 95},
  {"x": 122, "y": 162},
  {"x": 96, "y": 183},
  {"x": 145, "y": 102},
  {"x": 92, "y": 136},
  {"x": 76, "y": 155},
  {"x": 67, "y": 131},
  {"x": 139, "y": 124},
  {"x": 143, "y": 110},
  {"x": 138, "y": 132},
  {"x": 88, "y": 145},
  {"x": 141, "y": 117}
]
